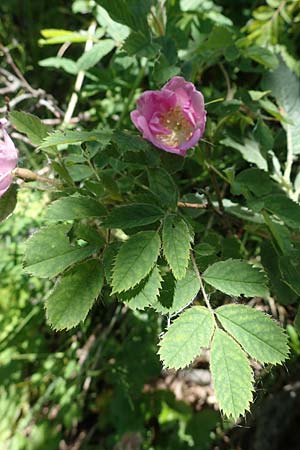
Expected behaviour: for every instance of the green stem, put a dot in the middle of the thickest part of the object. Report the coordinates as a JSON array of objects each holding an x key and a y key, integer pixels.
[
  {"x": 210, "y": 166},
  {"x": 202, "y": 288}
]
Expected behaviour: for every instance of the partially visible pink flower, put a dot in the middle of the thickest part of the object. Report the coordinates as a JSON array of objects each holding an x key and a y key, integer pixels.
[
  {"x": 8, "y": 158},
  {"x": 173, "y": 118}
]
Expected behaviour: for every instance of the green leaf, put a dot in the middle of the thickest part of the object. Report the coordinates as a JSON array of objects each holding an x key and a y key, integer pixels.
[
  {"x": 74, "y": 295},
  {"x": 185, "y": 291},
  {"x": 113, "y": 29},
  {"x": 128, "y": 142},
  {"x": 8, "y": 202},
  {"x": 176, "y": 240},
  {"x": 109, "y": 256},
  {"x": 176, "y": 295},
  {"x": 66, "y": 64},
  {"x": 146, "y": 294},
  {"x": 131, "y": 216},
  {"x": 259, "y": 335},
  {"x": 249, "y": 150},
  {"x": 285, "y": 87},
  {"x": 241, "y": 212},
  {"x": 280, "y": 233},
  {"x": 164, "y": 187},
  {"x": 231, "y": 374},
  {"x": 273, "y": 110},
  {"x": 186, "y": 337},
  {"x": 76, "y": 137},
  {"x": 219, "y": 38},
  {"x": 49, "y": 251},
  {"x": 290, "y": 268},
  {"x": 132, "y": 13},
  {"x": 74, "y": 207},
  {"x": 236, "y": 277},
  {"x": 247, "y": 180},
  {"x": 166, "y": 296},
  {"x": 164, "y": 71},
  {"x": 135, "y": 259},
  {"x": 95, "y": 54},
  {"x": 57, "y": 36},
  {"x": 261, "y": 55},
  {"x": 139, "y": 44},
  {"x": 270, "y": 260},
  {"x": 263, "y": 135},
  {"x": 284, "y": 208},
  {"x": 30, "y": 125}
]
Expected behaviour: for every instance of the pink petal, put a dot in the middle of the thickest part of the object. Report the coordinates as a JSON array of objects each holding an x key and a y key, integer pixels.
[
  {"x": 8, "y": 158},
  {"x": 153, "y": 101},
  {"x": 5, "y": 183}
]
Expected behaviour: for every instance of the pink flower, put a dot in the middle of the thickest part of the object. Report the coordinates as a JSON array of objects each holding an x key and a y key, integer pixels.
[
  {"x": 173, "y": 118},
  {"x": 8, "y": 158}
]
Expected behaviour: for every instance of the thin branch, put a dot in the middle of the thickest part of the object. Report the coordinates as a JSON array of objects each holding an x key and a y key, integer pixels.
[
  {"x": 205, "y": 297},
  {"x": 229, "y": 95},
  {"x": 28, "y": 175},
  {"x": 192, "y": 205},
  {"x": 19, "y": 81}
]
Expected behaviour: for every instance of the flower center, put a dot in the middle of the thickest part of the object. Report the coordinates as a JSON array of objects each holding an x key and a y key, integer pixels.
[{"x": 180, "y": 129}]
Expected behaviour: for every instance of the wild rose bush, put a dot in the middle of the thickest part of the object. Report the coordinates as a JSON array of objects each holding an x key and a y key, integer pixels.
[{"x": 170, "y": 178}]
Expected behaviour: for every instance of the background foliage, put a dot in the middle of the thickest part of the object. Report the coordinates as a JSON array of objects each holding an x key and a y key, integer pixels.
[{"x": 101, "y": 384}]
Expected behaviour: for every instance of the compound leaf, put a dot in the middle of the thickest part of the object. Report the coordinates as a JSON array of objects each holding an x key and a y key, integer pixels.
[
  {"x": 135, "y": 259},
  {"x": 49, "y": 251},
  {"x": 131, "y": 216},
  {"x": 59, "y": 137},
  {"x": 231, "y": 374},
  {"x": 285, "y": 208},
  {"x": 29, "y": 124},
  {"x": 95, "y": 54},
  {"x": 163, "y": 187},
  {"x": 186, "y": 337},
  {"x": 145, "y": 295},
  {"x": 132, "y": 13},
  {"x": 258, "y": 334},
  {"x": 185, "y": 291},
  {"x": 71, "y": 208},
  {"x": 236, "y": 277},
  {"x": 74, "y": 295},
  {"x": 176, "y": 239}
]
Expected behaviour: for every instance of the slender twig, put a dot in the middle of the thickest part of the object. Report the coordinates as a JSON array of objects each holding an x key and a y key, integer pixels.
[
  {"x": 15, "y": 68},
  {"x": 278, "y": 10},
  {"x": 42, "y": 97},
  {"x": 192, "y": 205},
  {"x": 229, "y": 95},
  {"x": 216, "y": 100},
  {"x": 205, "y": 297},
  {"x": 28, "y": 175},
  {"x": 212, "y": 167}
]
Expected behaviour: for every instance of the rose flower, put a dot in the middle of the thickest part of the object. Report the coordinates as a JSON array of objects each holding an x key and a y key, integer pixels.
[{"x": 173, "y": 118}]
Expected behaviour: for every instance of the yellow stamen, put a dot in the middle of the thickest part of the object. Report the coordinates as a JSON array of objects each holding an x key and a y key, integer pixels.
[{"x": 180, "y": 129}]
